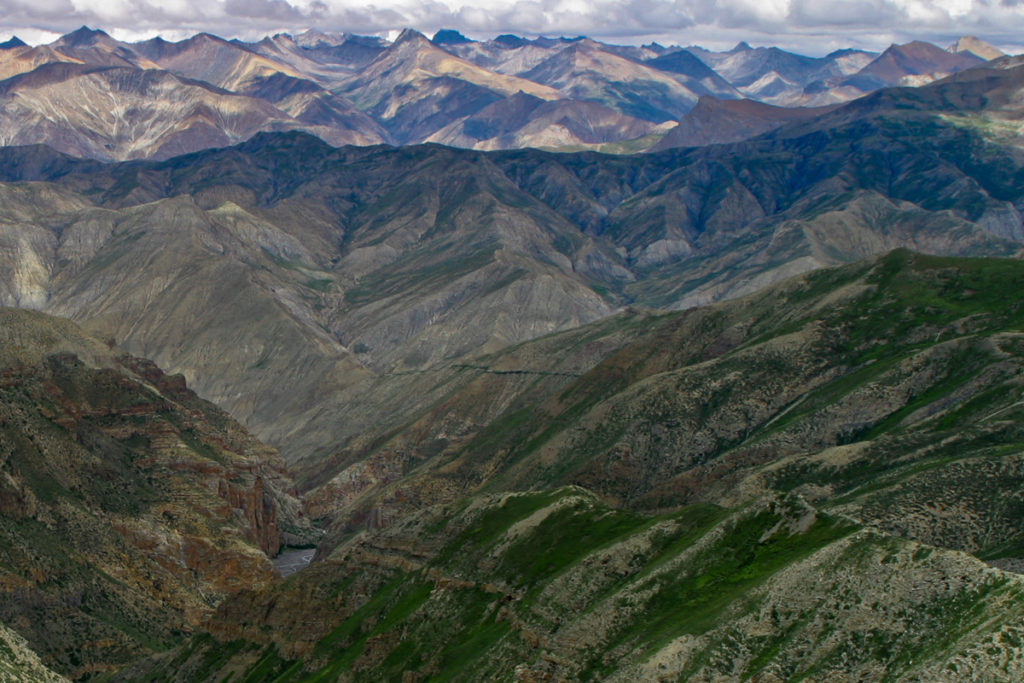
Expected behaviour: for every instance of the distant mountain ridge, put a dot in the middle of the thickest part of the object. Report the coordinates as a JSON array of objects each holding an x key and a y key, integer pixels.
[
  {"x": 349, "y": 89},
  {"x": 713, "y": 121}
]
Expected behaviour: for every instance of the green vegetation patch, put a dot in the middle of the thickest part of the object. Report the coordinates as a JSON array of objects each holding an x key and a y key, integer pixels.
[{"x": 693, "y": 598}]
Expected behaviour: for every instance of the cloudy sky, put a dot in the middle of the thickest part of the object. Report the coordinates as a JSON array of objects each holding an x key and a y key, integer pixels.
[{"x": 810, "y": 26}]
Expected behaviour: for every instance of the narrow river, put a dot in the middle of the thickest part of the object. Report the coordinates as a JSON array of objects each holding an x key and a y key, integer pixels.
[{"x": 291, "y": 561}]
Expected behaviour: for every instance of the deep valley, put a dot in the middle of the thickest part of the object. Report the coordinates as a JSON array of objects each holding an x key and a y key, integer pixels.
[{"x": 333, "y": 358}]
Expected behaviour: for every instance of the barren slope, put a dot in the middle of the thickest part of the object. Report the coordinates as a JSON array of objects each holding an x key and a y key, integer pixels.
[{"x": 130, "y": 507}]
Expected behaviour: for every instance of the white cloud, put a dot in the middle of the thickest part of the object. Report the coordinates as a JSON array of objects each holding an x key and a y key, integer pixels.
[{"x": 813, "y": 26}]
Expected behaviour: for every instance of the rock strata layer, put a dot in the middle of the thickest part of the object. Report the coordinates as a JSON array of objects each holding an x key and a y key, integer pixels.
[{"x": 128, "y": 506}]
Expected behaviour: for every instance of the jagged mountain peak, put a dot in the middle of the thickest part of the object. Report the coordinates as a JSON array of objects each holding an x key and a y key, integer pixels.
[
  {"x": 285, "y": 37},
  {"x": 719, "y": 121},
  {"x": 912, "y": 46},
  {"x": 510, "y": 41},
  {"x": 410, "y": 35},
  {"x": 843, "y": 52},
  {"x": 205, "y": 37},
  {"x": 313, "y": 38},
  {"x": 917, "y": 58},
  {"x": 277, "y": 40},
  {"x": 683, "y": 62},
  {"x": 976, "y": 47},
  {"x": 158, "y": 47},
  {"x": 409, "y": 45},
  {"x": 12, "y": 43},
  {"x": 82, "y": 37},
  {"x": 295, "y": 143},
  {"x": 917, "y": 49},
  {"x": 447, "y": 36}
]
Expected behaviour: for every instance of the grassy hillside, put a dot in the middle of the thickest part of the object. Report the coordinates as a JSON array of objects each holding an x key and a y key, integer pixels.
[
  {"x": 872, "y": 387},
  {"x": 556, "y": 585},
  {"x": 813, "y": 482}
]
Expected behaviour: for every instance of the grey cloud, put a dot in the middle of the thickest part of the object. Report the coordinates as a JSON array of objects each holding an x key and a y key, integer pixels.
[
  {"x": 812, "y": 26},
  {"x": 44, "y": 11},
  {"x": 546, "y": 17},
  {"x": 837, "y": 14},
  {"x": 277, "y": 10}
]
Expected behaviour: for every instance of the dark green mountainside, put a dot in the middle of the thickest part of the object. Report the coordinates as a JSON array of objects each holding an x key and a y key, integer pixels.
[
  {"x": 800, "y": 484},
  {"x": 877, "y": 386}
]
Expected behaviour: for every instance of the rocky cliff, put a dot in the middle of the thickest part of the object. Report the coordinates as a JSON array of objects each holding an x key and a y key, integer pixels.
[{"x": 128, "y": 506}]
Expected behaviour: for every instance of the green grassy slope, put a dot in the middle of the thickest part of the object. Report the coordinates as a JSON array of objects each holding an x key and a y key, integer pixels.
[
  {"x": 556, "y": 585},
  {"x": 802, "y": 484},
  {"x": 872, "y": 386}
]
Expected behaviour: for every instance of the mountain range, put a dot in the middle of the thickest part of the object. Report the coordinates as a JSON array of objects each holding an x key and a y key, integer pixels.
[
  {"x": 743, "y": 406},
  {"x": 87, "y": 94},
  {"x": 346, "y": 266}
]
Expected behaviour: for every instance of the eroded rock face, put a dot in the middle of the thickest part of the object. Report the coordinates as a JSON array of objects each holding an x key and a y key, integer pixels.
[{"x": 130, "y": 506}]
